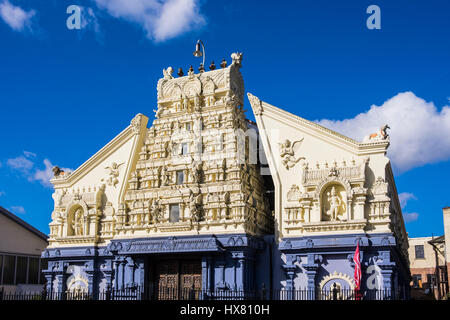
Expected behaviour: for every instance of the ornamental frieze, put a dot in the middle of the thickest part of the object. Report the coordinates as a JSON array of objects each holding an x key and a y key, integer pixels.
[{"x": 171, "y": 244}]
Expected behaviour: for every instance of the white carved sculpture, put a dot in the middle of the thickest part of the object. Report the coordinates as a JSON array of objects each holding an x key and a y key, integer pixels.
[
  {"x": 168, "y": 73},
  {"x": 113, "y": 174},
  {"x": 237, "y": 58},
  {"x": 195, "y": 172},
  {"x": 287, "y": 152},
  {"x": 78, "y": 222},
  {"x": 165, "y": 177},
  {"x": 335, "y": 204},
  {"x": 156, "y": 211},
  {"x": 381, "y": 134},
  {"x": 195, "y": 206}
]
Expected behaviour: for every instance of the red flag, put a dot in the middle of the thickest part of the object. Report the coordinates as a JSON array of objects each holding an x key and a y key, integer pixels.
[{"x": 357, "y": 261}]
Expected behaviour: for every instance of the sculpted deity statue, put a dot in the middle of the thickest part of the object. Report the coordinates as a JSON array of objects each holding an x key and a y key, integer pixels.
[
  {"x": 78, "y": 222},
  {"x": 165, "y": 177},
  {"x": 113, "y": 174},
  {"x": 156, "y": 211},
  {"x": 287, "y": 152},
  {"x": 195, "y": 206},
  {"x": 168, "y": 73},
  {"x": 335, "y": 202},
  {"x": 195, "y": 172}
]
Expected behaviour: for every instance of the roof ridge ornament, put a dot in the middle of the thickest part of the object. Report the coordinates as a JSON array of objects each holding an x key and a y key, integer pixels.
[{"x": 256, "y": 104}]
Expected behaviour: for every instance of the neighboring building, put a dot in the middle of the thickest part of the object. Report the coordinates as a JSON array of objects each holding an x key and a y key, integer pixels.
[
  {"x": 422, "y": 257},
  {"x": 429, "y": 263},
  {"x": 190, "y": 204},
  {"x": 21, "y": 246},
  {"x": 446, "y": 214}
]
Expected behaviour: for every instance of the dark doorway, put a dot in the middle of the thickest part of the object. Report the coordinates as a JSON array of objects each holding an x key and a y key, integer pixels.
[{"x": 177, "y": 279}]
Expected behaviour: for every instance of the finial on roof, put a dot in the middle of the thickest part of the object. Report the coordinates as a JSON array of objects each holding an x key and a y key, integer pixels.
[
  {"x": 201, "y": 68},
  {"x": 224, "y": 63},
  {"x": 180, "y": 72},
  {"x": 168, "y": 73},
  {"x": 212, "y": 66},
  {"x": 237, "y": 58}
]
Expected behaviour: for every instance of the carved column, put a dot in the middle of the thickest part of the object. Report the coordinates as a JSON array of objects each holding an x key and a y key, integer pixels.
[
  {"x": 290, "y": 270},
  {"x": 90, "y": 272},
  {"x": 207, "y": 275},
  {"x": 182, "y": 208},
  {"x": 311, "y": 271},
  {"x": 349, "y": 209},
  {"x": 116, "y": 273},
  {"x": 61, "y": 277},
  {"x": 359, "y": 207},
  {"x": 243, "y": 275},
  {"x": 221, "y": 284},
  {"x": 122, "y": 273},
  {"x": 387, "y": 269},
  {"x": 108, "y": 272},
  {"x": 129, "y": 272}
]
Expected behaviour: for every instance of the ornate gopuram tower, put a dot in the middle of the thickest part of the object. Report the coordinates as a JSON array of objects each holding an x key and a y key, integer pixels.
[{"x": 179, "y": 205}]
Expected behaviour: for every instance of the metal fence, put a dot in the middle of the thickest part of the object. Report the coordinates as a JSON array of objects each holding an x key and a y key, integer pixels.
[{"x": 212, "y": 295}]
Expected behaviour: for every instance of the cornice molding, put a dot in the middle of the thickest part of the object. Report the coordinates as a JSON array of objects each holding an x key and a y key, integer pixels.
[{"x": 263, "y": 109}]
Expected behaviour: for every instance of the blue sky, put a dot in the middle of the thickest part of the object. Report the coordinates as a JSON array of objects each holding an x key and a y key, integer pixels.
[{"x": 65, "y": 93}]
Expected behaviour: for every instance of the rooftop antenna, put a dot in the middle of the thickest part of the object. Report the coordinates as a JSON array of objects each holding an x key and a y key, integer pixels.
[{"x": 197, "y": 53}]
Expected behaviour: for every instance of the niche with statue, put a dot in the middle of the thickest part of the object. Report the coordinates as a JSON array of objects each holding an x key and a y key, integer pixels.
[{"x": 333, "y": 203}]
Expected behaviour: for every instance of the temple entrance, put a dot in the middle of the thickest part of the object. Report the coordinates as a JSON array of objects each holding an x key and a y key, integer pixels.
[{"x": 177, "y": 279}]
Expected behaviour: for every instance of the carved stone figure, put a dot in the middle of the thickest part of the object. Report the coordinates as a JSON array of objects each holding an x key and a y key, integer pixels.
[
  {"x": 113, "y": 174},
  {"x": 168, "y": 73},
  {"x": 165, "y": 177},
  {"x": 78, "y": 222},
  {"x": 380, "y": 134},
  {"x": 156, "y": 211},
  {"x": 195, "y": 172},
  {"x": 335, "y": 202},
  {"x": 335, "y": 205},
  {"x": 197, "y": 102},
  {"x": 237, "y": 58},
  {"x": 57, "y": 171},
  {"x": 287, "y": 152},
  {"x": 195, "y": 206}
]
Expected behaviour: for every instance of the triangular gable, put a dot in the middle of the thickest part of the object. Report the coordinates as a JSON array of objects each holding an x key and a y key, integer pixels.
[
  {"x": 262, "y": 109},
  {"x": 128, "y": 143}
]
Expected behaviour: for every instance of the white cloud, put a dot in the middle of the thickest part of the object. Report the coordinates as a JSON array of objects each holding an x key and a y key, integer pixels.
[
  {"x": 14, "y": 16},
  {"x": 404, "y": 197},
  {"x": 44, "y": 176},
  {"x": 29, "y": 154},
  {"x": 89, "y": 21},
  {"x": 17, "y": 209},
  {"x": 20, "y": 163},
  {"x": 29, "y": 170},
  {"x": 410, "y": 217},
  {"x": 419, "y": 132},
  {"x": 160, "y": 19}
]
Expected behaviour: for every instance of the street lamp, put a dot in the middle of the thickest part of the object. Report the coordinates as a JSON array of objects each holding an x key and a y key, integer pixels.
[{"x": 197, "y": 53}]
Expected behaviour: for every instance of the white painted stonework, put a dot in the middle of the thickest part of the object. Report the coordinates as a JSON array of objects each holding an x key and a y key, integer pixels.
[
  {"x": 193, "y": 164},
  {"x": 189, "y": 162},
  {"x": 326, "y": 182}
]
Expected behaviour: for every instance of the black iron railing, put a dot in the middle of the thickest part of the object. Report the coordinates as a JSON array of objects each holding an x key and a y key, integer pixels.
[{"x": 138, "y": 293}]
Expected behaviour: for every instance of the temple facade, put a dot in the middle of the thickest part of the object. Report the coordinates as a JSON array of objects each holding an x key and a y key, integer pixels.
[{"x": 205, "y": 199}]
